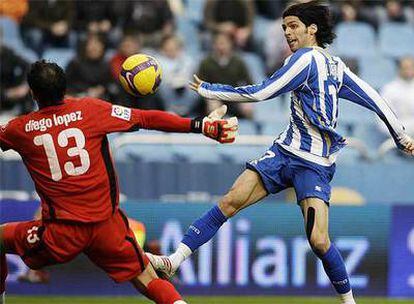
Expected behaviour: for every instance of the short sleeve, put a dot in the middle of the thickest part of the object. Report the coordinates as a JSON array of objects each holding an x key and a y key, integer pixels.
[
  {"x": 114, "y": 118},
  {"x": 8, "y": 135}
]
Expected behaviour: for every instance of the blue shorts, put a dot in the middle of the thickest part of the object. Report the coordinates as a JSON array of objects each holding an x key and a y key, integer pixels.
[{"x": 280, "y": 169}]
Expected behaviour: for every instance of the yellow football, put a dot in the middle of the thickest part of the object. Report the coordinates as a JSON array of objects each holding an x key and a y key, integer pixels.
[{"x": 140, "y": 75}]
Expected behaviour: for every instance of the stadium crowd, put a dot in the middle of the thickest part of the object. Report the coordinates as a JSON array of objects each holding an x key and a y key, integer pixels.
[{"x": 235, "y": 42}]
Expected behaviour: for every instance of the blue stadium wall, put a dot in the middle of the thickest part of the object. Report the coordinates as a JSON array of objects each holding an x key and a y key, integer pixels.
[
  {"x": 262, "y": 251},
  {"x": 377, "y": 182}
]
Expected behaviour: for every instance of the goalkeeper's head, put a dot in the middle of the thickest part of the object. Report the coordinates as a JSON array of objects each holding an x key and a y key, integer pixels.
[
  {"x": 47, "y": 82},
  {"x": 308, "y": 24}
]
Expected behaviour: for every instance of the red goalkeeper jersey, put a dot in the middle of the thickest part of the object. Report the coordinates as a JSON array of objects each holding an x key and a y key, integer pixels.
[{"x": 66, "y": 151}]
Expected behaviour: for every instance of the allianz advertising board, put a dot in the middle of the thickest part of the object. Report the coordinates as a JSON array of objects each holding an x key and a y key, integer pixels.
[{"x": 263, "y": 250}]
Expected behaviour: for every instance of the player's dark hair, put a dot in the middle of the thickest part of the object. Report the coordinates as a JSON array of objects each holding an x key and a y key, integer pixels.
[
  {"x": 314, "y": 12},
  {"x": 47, "y": 81}
]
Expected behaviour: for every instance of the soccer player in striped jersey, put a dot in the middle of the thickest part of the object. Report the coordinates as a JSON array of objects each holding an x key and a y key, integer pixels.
[{"x": 303, "y": 156}]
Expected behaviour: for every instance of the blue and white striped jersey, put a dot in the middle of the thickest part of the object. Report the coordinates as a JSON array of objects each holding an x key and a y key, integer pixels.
[{"x": 316, "y": 80}]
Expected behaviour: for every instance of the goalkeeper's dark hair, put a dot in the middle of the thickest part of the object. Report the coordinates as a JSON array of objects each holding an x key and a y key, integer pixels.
[
  {"x": 47, "y": 81},
  {"x": 314, "y": 12}
]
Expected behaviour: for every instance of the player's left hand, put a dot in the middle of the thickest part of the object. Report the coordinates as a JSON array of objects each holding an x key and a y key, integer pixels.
[
  {"x": 196, "y": 83},
  {"x": 217, "y": 128},
  {"x": 406, "y": 144}
]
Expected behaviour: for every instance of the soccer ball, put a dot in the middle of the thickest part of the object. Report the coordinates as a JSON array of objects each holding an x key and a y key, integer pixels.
[{"x": 140, "y": 75}]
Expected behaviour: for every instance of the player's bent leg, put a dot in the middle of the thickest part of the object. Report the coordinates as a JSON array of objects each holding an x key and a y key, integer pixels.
[
  {"x": 158, "y": 290},
  {"x": 316, "y": 216},
  {"x": 6, "y": 234},
  {"x": 3, "y": 267},
  {"x": 247, "y": 190},
  {"x": 6, "y": 246}
]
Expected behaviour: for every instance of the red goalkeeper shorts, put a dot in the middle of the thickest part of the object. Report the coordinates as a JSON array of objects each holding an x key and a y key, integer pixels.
[{"x": 109, "y": 244}]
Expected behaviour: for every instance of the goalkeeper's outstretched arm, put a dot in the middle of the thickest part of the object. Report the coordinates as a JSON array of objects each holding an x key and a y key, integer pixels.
[
  {"x": 213, "y": 126},
  {"x": 114, "y": 118}
]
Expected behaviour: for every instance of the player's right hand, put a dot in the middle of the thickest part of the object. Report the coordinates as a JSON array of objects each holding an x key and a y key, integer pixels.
[
  {"x": 196, "y": 83},
  {"x": 217, "y": 128},
  {"x": 406, "y": 144}
]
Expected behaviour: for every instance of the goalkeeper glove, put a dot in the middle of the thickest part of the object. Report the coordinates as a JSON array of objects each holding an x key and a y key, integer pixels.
[{"x": 215, "y": 127}]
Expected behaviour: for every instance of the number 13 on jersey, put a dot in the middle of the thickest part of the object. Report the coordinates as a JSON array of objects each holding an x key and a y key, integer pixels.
[{"x": 46, "y": 140}]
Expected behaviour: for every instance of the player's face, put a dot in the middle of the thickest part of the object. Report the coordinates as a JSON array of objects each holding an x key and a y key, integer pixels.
[{"x": 297, "y": 34}]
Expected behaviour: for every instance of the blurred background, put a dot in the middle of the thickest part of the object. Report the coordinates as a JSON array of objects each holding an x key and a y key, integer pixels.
[{"x": 167, "y": 180}]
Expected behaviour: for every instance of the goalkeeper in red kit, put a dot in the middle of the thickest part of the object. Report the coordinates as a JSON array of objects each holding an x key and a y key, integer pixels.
[{"x": 65, "y": 149}]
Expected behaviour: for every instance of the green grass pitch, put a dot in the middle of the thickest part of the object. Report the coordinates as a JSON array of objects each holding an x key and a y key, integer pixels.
[{"x": 197, "y": 300}]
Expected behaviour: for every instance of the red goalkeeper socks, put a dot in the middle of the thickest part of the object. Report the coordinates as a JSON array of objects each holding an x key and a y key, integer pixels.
[{"x": 162, "y": 292}]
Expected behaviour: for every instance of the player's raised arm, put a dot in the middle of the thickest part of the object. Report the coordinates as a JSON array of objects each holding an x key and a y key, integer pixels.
[
  {"x": 291, "y": 76},
  {"x": 358, "y": 91},
  {"x": 114, "y": 118}
]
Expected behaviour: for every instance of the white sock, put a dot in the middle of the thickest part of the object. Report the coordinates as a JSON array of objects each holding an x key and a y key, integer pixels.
[
  {"x": 347, "y": 298},
  {"x": 2, "y": 298},
  {"x": 179, "y": 256}
]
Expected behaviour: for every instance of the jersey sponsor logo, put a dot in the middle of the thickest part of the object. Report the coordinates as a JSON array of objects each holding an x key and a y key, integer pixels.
[
  {"x": 3, "y": 127},
  {"x": 121, "y": 112},
  {"x": 56, "y": 120}
]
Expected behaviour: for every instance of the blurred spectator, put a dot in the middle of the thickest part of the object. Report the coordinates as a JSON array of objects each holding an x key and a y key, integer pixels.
[
  {"x": 400, "y": 94},
  {"x": 409, "y": 11},
  {"x": 178, "y": 7},
  {"x": 232, "y": 17},
  {"x": 48, "y": 23},
  {"x": 224, "y": 66},
  {"x": 275, "y": 46},
  {"x": 394, "y": 12},
  {"x": 178, "y": 69},
  {"x": 14, "y": 9},
  {"x": 352, "y": 11},
  {"x": 270, "y": 9},
  {"x": 89, "y": 74},
  {"x": 152, "y": 20},
  {"x": 128, "y": 46},
  {"x": 97, "y": 17},
  {"x": 14, "y": 90}
]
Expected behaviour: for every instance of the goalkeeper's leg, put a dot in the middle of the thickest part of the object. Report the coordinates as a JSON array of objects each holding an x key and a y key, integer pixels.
[
  {"x": 247, "y": 190},
  {"x": 4, "y": 248},
  {"x": 3, "y": 274},
  {"x": 3, "y": 265},
  {"x": 158, "y": 290}
]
